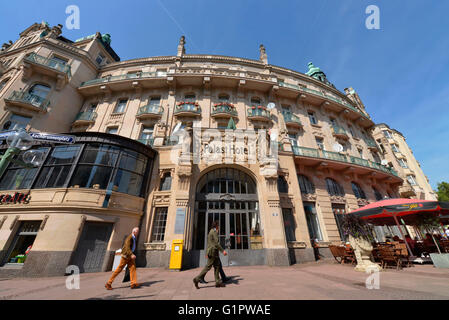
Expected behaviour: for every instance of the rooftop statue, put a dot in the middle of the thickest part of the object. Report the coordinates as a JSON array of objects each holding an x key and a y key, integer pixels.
[
  {"x": 106, "y": 38},
  {"x": 316, "y": 73}
]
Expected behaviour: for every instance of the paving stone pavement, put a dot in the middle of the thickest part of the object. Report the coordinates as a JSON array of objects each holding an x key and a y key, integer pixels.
[{"x": 324, "y": 281}]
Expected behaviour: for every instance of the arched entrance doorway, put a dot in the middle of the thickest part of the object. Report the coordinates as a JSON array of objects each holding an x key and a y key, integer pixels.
[{"x": 229, "y": 196}]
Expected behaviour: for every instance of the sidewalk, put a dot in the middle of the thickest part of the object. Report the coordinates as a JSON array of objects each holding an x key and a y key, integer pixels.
[{"x": 308, "y": 281}]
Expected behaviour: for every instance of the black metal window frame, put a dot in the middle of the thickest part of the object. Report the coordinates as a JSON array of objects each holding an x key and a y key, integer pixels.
[
  {"x": 334, "y": 188},
  {"x": 306, "y": 186},
  {"x": 358, "y": 191}
]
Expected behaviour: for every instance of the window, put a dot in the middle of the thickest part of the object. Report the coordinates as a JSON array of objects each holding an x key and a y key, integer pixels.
[
  {"x": 293, "y": 140},
  {"x": 282, "y": 185},
  {"x": 255, "y": 101},
  {"x": 57, "y": 167},
  {"x": 377, "y": 194},
  {"x": 155, "y": 101},
  {"x": 121, "y": 106},
  {"x": 312, "y": 221},
  {"x": 3, "y": 84},
  {"x": 107, "y": 166},
  {"x": 411, "y": 180},
  {"x": 305, "y": 184},
  {"x": 387, "y": 134},
  {"x": 289, "y": 224},
  {"x": 358, "y": 192},
  {"x": 160, "y": 220},
  {"x": 339, "y": 211},
  {"x": 360, "y": 153},
  {"x": 223, "y": 98},
  {"x": 403, "y": 163},
  {"x": 100, "y": 59},
  {"x": 38, "y": 93},
  {"x": 319, "y": 143},
  {"x": 146, "y": 136},
  {"x": 57, "y": 62},
  {"x": 190, "y": 97},
  {"x": 112, "y": 130},
  {"x": 333, "y": 122},
  {"x": 394, "y": 147},
  {"x": 351, "y": 130},
  {"x": 17, "y": 122},
  {"x": 312, "y": 118},
  {"x": 17, "y": 176},
  {"x": 334, "y": 188},
  {"x": 23, "y": 241},
  {"x": 376, "y": 157},
  {"x": 165, "y": 182}
]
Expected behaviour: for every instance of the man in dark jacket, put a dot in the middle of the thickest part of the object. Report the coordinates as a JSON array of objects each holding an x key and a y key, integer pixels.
[
  {"x": 212, "y": 255},
  {"x": 128, "y": 258}
]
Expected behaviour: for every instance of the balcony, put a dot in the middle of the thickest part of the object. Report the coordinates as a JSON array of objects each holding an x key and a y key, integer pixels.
[
  {"x": 49, "y": 67},
  {"x": 339, "y": 133},
  {"x": 339, "y": 161},
  {"x": 407, "y": 191},
  {"x": 291, "y": 120},
  {"x": 28, "y": 101},
  {"x": 372, "y": 145},
  {"x": 150, "y": 112},
  {"x": 333, "y": 102},
  {"x": 187, "y": 109},
  {"x": 127, "y": 76},
  {"x": 85, "y": 118},
  {"x": 259, "y": 114},
  {"x": 224, "y": 110}
]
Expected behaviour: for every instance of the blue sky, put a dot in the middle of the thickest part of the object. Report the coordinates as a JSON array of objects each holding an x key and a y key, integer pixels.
[{"x": 400, "y": 71}]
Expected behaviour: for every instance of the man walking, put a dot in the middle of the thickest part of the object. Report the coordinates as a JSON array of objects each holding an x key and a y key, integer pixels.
[
  {"x": 128, "y": 258},
  {"x": 212, "y": 255}
]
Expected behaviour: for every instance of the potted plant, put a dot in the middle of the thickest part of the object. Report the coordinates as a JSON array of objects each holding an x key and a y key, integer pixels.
[
  {"x": 360, "y": 236},
  {"x": 430, "y": 224}
]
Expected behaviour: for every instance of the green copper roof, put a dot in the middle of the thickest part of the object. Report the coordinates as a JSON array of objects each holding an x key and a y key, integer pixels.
[
  {"x": 316, "y": 73},
  {"x": 313, "y": 70}
]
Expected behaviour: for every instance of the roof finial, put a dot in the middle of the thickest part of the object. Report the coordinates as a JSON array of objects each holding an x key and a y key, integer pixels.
[
  {"x": 263, "y": 54},
  {"x": 181, "y": 48}
]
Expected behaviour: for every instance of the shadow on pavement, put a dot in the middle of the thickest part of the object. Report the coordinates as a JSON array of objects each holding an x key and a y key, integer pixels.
[{"x": 119, "y": 297}]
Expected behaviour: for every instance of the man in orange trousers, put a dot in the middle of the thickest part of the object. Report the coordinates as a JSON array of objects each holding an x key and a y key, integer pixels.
[{"x": 128, "y": 258}]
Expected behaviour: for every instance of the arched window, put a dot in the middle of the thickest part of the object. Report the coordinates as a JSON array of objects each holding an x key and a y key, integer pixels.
[
  {"x": 226, "y": 180},
  {"x": 189, "y": 97},
  {"x": 334, "y": 188},
  {"x": 223, "y": 97},
  {"x": 358, "y": 192},
  {"x": 282, "y": 185},
  {"x": 165, "y": 182},
  {"x": 255, "y": 101},
  {"x": 377, "y": 194},
  {"x": 40, "y": 90},
  {"x": 305, "y": 184}
]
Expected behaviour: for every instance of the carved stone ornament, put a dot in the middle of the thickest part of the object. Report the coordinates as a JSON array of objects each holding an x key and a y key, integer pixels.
[
  {"x": 308, "y": 197},
  {"x": 362, "y": 202},
  {"x": 155, "y": 246},
  {"x": 338, "y": 199}
]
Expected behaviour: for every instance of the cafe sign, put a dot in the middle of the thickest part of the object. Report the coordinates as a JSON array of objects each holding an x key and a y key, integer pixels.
[{"x": 16, "y": 198}]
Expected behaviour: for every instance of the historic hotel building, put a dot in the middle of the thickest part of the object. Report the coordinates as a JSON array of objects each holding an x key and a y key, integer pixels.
[{"x": 131, "y": 167}]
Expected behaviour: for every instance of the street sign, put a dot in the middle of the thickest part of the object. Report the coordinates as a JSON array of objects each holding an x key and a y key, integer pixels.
[
  {"x": 4, "y": 135},
  {"x": 50, "y": 137}
]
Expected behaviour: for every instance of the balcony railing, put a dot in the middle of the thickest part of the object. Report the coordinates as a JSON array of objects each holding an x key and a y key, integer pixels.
[
  {"x": 50, "y": 63},
  {"x": 224, "y": 109},
  {"x": 371, "y": 143},
  {"x": 127, "y": 76},
  {"x": 339, "y": 131},
  {"x": 291, "y": 119},
  {"x": 335, "y": 156},
  {"x": 86, "y": 116},
  {"x": 155, "y": 110},
  {"x": 30, "y": 99},
  {"x": 188, "y": 108},
  {"x": 259, "y": 113},
  {"x": 306, "y": 152}
]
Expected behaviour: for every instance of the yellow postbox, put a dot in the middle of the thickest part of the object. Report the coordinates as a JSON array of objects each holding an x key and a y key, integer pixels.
[{"x": 176, "y": 255}]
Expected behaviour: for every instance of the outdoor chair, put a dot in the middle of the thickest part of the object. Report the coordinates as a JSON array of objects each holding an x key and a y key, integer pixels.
[
  {"x": 403, "y": 254},
  {"x": 336, "y": 253},
  {"x": 388, "y": 256},
  {"x": 444, "y": 245}
]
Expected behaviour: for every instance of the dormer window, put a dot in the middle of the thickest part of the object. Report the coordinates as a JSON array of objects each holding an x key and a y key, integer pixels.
[{"x": 100, "y": 59}]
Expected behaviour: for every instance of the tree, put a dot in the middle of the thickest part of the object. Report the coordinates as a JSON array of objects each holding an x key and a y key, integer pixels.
[{"x": 443, "y": 191}]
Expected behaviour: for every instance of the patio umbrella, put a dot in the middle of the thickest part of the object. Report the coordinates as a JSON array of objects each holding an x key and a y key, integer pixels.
[{"x": 387, "y": 211}]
